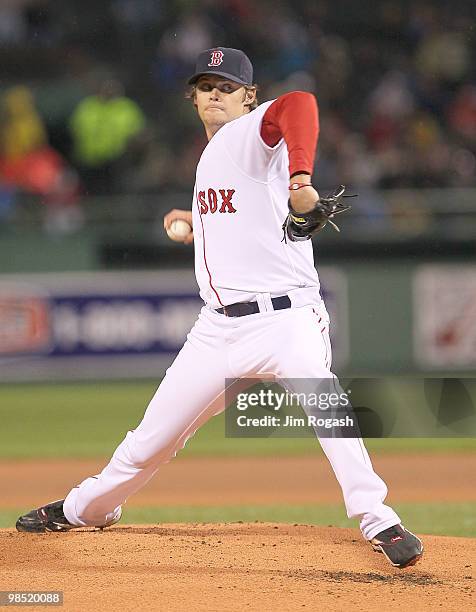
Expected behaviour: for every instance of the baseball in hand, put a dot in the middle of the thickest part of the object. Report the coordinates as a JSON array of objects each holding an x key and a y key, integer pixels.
[{"x": 178, "y": 230}]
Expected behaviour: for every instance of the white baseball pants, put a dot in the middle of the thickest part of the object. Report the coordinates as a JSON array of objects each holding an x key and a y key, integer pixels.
[{"x": 292, "y": 343}]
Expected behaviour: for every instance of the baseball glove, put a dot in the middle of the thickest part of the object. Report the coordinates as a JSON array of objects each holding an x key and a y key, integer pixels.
[{"x": 302, "y": 226}]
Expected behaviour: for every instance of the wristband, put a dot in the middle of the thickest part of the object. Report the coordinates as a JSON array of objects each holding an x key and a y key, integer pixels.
[{"x": 296, "y": 186}]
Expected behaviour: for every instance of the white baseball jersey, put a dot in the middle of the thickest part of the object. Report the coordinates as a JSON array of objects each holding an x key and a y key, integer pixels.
[{"x": 239, "y": 205}]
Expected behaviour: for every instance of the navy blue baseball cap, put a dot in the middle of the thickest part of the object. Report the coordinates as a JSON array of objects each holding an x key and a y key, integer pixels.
[{"x": 231, "y": 64}]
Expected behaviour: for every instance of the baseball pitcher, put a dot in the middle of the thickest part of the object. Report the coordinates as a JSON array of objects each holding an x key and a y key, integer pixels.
[{"x": 253, "y": 211}]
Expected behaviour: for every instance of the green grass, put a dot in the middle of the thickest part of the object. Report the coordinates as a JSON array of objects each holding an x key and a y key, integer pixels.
[
  {"x": 90, "y": 419},
  {"x": 458, "y": 519}
]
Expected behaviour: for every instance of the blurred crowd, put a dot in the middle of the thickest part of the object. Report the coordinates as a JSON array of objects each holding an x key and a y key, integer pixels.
[{"x": 92, "y": 93}]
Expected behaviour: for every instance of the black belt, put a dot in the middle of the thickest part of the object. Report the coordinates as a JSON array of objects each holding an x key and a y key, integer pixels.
[{"x": 241, "y": 309}]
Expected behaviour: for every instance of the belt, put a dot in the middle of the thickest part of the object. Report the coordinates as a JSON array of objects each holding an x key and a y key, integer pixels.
[{"x": 241, "y": 309}]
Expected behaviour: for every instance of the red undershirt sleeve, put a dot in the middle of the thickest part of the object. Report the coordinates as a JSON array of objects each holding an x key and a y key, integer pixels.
[{"x": 294, "y": 117}]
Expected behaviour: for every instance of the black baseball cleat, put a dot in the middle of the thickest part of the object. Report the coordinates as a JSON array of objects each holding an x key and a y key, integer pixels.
[
  {"x": 401, "y": 547},
  {"x": 51, "y": 518}
]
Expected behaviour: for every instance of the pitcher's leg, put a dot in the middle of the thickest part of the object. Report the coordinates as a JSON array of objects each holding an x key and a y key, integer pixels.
[
  {"x": 183, "y": 402},
  {"x": 363, "y": 490},
  {"x": 307, "y": 356}
]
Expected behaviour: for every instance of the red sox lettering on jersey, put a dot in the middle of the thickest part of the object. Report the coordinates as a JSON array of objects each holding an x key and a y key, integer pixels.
[{"x": 210, "y": 204}]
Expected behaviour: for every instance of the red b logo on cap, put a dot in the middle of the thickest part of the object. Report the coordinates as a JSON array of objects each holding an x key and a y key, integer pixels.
[{"x": 216, "y": 58}]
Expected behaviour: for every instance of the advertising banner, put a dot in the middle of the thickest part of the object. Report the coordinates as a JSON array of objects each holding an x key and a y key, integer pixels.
[
  {"x": 445, "y": 316},
  {"x": 56, "y": 326}
]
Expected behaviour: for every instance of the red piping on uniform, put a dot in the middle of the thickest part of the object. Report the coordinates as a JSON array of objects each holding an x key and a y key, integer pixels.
[
  {"x": 204, "y": 254},
  {"x": 323, "y": 338}
]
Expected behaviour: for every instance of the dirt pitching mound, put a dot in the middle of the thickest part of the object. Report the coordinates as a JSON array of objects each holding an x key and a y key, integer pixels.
[{"x": 258, "y": 566}]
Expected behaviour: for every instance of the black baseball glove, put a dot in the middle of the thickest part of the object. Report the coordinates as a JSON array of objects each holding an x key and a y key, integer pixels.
[{"x": 302, "y": 226}]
